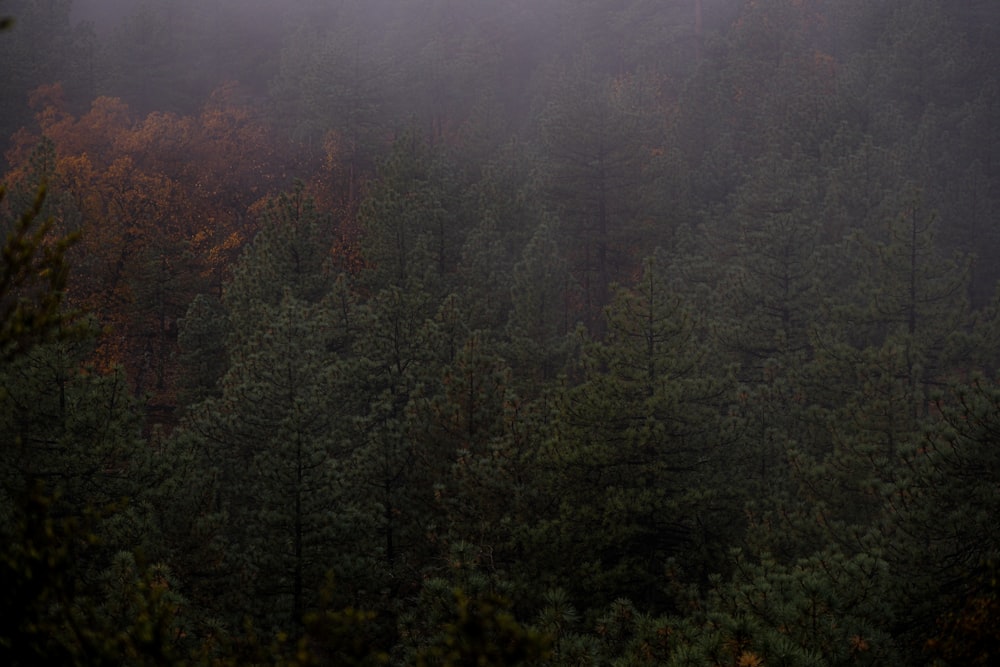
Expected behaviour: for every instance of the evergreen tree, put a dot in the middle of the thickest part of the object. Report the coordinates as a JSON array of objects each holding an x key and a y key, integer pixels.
[
  {"x": 946, "y": 542},
  {"x": 74, "y": 481},
  {"x": 541, "y": 320},
  {"x": 864, "y": 180},
  {"x": 395, "y": 359},
  {"x": 775, "y": 268},
  {"x": 273, "y": 438},
  {"x": 910, "y": 292},
  {"x": 32, "y": 285},
  {"x": 69, "y": 428},
  {"x": 290, "y": 254},
  {"x": 480, "y": 436},
  {"x": 593, "y": 129},
  {"x": 410, "y": 235},
  {"x": 827, "y": 609},
  {"x": 201, "y": 340},
  {"x": 274, "y": 435},
  {"x": 334, "y": 85},
  {"x": 483, "y": 273},
  {"x": 507, "y": 204},
  {"x": 464, "y": 619},
  {"x": 632, "y": 455},
  {"x": 74, "y": 474}
]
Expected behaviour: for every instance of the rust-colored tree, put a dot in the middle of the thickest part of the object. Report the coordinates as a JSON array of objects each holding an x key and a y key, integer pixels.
[{"x": 164, "y": 205}]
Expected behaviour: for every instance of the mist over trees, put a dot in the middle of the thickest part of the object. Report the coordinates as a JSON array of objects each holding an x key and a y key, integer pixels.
[{"x": 555, "y": 332}]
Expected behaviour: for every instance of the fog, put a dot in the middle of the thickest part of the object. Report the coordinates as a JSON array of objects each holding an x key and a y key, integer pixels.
[{"x": 500, "y": 332}]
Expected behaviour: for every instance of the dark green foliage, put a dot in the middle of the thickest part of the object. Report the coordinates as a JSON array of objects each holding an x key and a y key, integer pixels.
[
  {"x": 270, "y": 437},
  {"x": 502, "y": 436},
  {"x": 480, "y": 631},
  {"x": 72, "y": 474},
  {"x": 541, "y": 320},
  {"x": 70, "y": 427},
  {"x": 33, "y": 281},
  {"x": 594, "y": 129},
  {"x": 484, "y": 274},
  {"x": 947, "y": 536},
  {"x": 290, "y": 257},
  {"x": 274, "y": 436},
  {"x": 394, "y": 363},
  {"x": 463, "y": 617},
  {"x": 482, "y": 438},
  {"x": 201, "y": 338},
  {"x": 50, "y": 614},
  {"x": 772, "y": 289},
  {"x": 631, "y": 454},
  {"x": 969, "y": 635},
  {"x": 411, "y": 238},
  {"x": 784, "y": 616}
]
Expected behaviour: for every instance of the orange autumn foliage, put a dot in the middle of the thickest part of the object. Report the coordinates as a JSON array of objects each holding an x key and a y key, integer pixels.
[
  {"x": 337, "y": 185},
  {"x": 165, "y": 204}
]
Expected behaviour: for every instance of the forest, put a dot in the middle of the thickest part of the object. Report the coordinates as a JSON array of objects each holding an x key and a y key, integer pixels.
[{"x": 500, "y": 332}]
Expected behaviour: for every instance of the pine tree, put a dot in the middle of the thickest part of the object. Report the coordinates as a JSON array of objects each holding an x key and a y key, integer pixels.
[
  {"x": 594, "y": 128},
  {"x": 910, "y": 295},
  {"x": 395, "y": 360},
  {"x": 201, "y": 340},
  {"x": 632, "y": 453},
  {"x": 484, "y": 274},
  {"x": 946, "y": 542},
  {"x": 821, "y": 610},
  {"x": 541, "y": 319},
  {"x": 410, "y": 237},
  {"x": 74, "y": 499},
  {"x": 477, "y": 435},
  {"x": 68, "y": 426},
  {"x": 333, "y": 85},
  {"x": 291, "y": 253},
  {"x": 273, "y": 437},
  {"x": 775, "y": 265},
  {"x": 275, "y": 434}
]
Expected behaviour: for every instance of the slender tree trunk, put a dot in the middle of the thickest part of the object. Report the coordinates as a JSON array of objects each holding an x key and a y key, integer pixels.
[
  {"x": 912, "y": 306},
  {"x": 297, "y": 584}
]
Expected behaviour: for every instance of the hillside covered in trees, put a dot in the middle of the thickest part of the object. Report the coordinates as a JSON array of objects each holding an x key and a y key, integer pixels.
[{"x": 542, "y": 332}]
